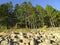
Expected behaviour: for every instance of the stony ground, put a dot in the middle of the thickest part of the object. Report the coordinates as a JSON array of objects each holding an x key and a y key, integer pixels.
[{"x": 38, "y": 37}]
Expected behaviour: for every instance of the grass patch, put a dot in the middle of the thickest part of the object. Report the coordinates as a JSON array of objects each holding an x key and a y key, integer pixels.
[
  {"x": 44, "y": 28},
  {"x": 28, "y": 30}
]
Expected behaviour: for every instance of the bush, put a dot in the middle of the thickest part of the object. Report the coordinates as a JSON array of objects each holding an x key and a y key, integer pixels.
[
  {"x": 44, "y": 28},
  {"x": 2, "y": 28}
]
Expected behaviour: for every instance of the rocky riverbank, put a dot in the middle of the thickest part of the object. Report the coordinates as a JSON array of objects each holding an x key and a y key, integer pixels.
[{"x": 38, "y": 37}]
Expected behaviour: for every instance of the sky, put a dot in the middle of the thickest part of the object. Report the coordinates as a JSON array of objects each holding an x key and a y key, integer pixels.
[{"x": 54, "y": 3}]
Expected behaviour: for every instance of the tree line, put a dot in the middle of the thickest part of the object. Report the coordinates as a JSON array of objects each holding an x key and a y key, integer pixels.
[{"x": 25, "y": 15}]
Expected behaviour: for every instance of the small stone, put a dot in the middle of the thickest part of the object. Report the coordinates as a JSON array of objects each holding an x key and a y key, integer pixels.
[
  {"x": 29, "y": 36},
  {"x": 53, "y": 37},
  {"x": 0, "y": 35},
  {"x": 16, "y": 32},
  {"x": 29, "y": 43},
  {"x": 41, "y": 36},
  {"x": 36, "y": 41},
  {"x": 38, "y": 37},
  {"x": 25, "y": 36},
  {"x": 21, "y": 40},
  {"x": 16, "y": 37},
  {"x": 41, "y": 41},
  {"x": 51, "y": 41}
]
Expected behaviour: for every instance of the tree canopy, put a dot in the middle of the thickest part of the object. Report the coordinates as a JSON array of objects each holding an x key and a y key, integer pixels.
[{"x": 27, "y": 15}]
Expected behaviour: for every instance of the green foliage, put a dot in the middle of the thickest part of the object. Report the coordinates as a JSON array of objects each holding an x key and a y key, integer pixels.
[
  {"x": 2, "y": 28},
  {"x": 44, "y": 28},
  {"x": 28, "y": 16}
]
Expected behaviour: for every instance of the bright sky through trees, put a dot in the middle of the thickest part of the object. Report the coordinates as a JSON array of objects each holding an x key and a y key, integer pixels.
[{"x": 54, "y": 3}]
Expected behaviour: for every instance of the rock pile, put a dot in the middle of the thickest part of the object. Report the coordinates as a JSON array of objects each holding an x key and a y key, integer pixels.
[{"x": 30, "y": 38}]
